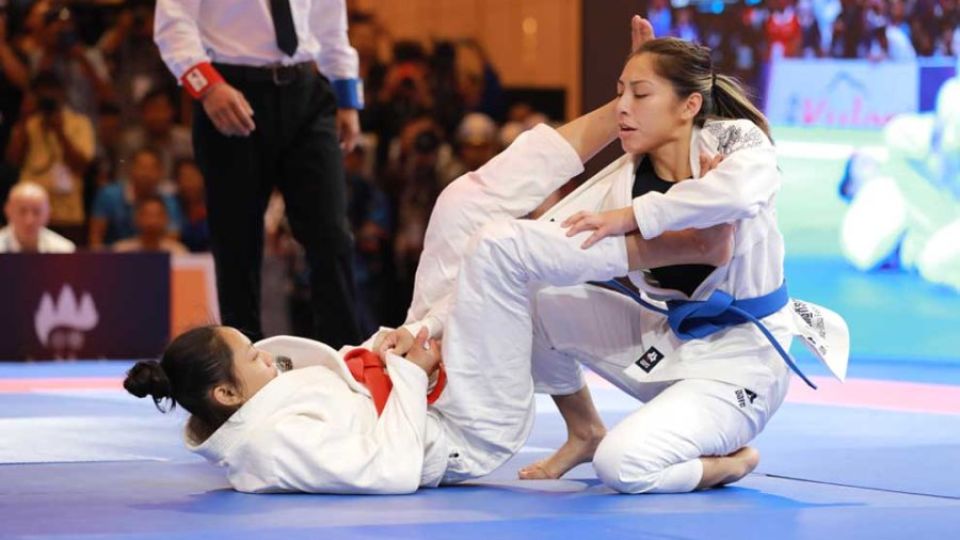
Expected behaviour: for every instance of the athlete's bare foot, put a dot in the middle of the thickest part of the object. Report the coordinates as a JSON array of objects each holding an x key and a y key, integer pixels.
[
  {"x": 575, "y": 451},
  {"x": 719, "y": 471}
]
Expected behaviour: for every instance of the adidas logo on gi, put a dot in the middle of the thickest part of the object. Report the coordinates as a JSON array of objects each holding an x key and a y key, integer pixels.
[
  {"x": 743, "y": 395},
  {"x": 650, "y": 359}
]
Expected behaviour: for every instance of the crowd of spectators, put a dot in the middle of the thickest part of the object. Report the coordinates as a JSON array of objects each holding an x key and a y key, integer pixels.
[
  {"x": 96, "y": 131},
  {"x": 747, "y": 34}
]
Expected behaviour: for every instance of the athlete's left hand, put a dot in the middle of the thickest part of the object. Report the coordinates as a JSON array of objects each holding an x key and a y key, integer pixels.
[
  {"x": 611, "y": 223},
  {"x": 348, "y": 128}
]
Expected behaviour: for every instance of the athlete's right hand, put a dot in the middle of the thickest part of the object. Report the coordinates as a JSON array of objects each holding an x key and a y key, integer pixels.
[
  {"x": 425, "y": 352},
  {"x": 641, "y": 31},
  {"x": 398, "y": 341},
  {"x": 229, "y": 110}
]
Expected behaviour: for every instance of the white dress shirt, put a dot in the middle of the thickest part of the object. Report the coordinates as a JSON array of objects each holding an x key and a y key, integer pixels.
[
  {"x": 190, "y": 32},
  {"x": 49, "y": 242}
]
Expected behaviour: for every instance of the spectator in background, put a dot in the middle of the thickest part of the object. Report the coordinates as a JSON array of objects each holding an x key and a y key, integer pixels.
[
  {"x": 14, "y": 81},
  {"x": 157, "y": 130},
  {"x": 945, "y": 45},
  {"x": 133, "y": 59},
  {"x": 685, "y": 27},
  {"x": 660, "y": 17},
  {"x": 413, "y": 184},
  {"x": 478, "y": 81},
  {"x": 28, "y": 210},
  {"x": 783, "y": 32},
  {"x": 195, "y": 231},
  {"x": 898, "y": 17},
  {"x": 811, "y": 41},
  {"x": 369, "y": 213},
  {"x": 113, "y": 209},
  {"x": 849, "y": 30},
  {"x": 368, "y": 38},
  {"x": 891, "y": 42},
  {"x": 153, "y": 224},
  {"x": 106, "y": 160},
  {"x": 447, "y": 102},
  {"x": 29, "y": 41},
  {"x": 475, "y": 143},
  {"x": 405, "y": 94},
  {"x": 81, "y": 68},
  {"x": 53, "y": 145}
]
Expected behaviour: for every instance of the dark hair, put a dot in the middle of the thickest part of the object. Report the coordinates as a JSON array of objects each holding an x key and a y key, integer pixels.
[
  {"x": 153, "y": 198},
  {"x": 147, "y": 150},
  {"x": 180, "y": 163},
  {"x": 690, "y": 69},
  {"x": 108, "y": 109},
  {"x": 46, "y": 80},
  {"x": 191, "y": 366},
  {"x": 153, "y": 94}
]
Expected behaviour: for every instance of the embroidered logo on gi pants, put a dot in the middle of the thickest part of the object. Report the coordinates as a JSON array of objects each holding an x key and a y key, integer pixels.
[
  {"x": 742, "y": 400},
  {"x": 650, "y": 359}
]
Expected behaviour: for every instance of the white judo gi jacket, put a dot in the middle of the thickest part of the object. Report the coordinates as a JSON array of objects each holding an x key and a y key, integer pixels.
[
  {"x": 315, "y": 429},
  {"x": 740, "y": 190}
]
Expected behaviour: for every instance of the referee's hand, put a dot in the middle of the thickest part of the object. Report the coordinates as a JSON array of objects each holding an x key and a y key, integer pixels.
[
  {"x": 348, "y": 129},
  {"x": 229, "y": 111}
]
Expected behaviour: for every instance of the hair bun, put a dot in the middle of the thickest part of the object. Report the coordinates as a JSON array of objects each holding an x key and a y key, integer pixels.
[{"x": 148, "y": 378}]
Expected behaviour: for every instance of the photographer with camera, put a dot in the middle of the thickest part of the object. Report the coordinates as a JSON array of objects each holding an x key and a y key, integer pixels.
[
  {"x": 81, "y": 68},
  {"x": 53, "y": 145},
  {"x": 133, "y": 58}
]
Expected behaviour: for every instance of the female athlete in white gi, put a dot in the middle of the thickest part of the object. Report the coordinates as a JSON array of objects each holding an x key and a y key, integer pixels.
[
  {"x": 699, "y": 154},
  {"x": 314, "y": 428}
]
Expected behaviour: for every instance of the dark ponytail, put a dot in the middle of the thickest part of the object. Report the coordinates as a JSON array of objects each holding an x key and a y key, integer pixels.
[
  {"x": 147, "y": 378},
  {"x": 192, "y": 365},
  {"x": 731, "y": 100},
  {"x": 689, "y": 69}
]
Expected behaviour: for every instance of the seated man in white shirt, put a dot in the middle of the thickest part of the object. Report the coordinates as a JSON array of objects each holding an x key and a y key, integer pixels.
[
  {"x": 152, "y": 223},
  {"x": 28, "y": 212}
]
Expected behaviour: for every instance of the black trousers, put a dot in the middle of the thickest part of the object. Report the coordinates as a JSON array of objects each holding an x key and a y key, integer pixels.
[{"x": 295, "y": 149}]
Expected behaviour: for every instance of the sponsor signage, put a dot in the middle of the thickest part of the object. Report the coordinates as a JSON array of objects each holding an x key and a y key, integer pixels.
[
  {"x": 841, "y": 93},
  {"x": 84, "y": 305}
]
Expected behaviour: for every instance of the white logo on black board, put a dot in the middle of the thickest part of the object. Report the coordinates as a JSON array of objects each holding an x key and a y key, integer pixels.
[
  {"x": 61, "y": 324},
  {"x": 650, "y": 359}
]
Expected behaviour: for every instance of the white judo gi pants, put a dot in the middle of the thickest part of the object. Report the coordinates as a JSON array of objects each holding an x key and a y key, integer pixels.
[
  {"x": 657, "y": 448},
  {"x": 481, "y": 270},
  {"x": 478, "y": 272}
]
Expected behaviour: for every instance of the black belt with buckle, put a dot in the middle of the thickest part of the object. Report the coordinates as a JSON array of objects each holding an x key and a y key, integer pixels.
[{"x": 277, "y": 74}]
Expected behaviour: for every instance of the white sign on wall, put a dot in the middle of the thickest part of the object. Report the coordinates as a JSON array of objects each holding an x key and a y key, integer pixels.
[{"x": 841, "y": 93}]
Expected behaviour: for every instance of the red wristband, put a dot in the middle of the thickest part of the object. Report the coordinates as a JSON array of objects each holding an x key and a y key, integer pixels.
[{"x": 200, "y": 78}]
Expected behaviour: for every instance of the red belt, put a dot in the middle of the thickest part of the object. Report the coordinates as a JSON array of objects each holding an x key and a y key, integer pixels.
[{"x": 367, "y": 368}]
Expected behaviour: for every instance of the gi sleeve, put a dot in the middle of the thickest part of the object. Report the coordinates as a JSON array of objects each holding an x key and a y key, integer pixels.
[
  {"x": 509, "y": 186},
  {"x": 337, "y": 59},
  {"x": 736, "y": 189},
  {"x": 309, "y": 454}
]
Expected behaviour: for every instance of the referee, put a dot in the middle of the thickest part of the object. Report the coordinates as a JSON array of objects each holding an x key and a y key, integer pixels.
[{"x": 277, "y": 95}]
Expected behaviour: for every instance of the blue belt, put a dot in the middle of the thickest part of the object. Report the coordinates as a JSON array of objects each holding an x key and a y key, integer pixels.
[{"x": 690, "y": 319}]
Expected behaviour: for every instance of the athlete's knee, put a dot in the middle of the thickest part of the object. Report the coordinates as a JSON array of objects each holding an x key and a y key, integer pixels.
[
  {"x": 620, "y": 468},
  {"x": 496, "y": 240}
]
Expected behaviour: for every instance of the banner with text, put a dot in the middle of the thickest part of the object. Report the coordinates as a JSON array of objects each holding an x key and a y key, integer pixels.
[{"x": 840, "y": 93}]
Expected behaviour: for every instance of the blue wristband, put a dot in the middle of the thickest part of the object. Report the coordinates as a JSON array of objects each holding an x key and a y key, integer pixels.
[{"x": 349, "y": 93}]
